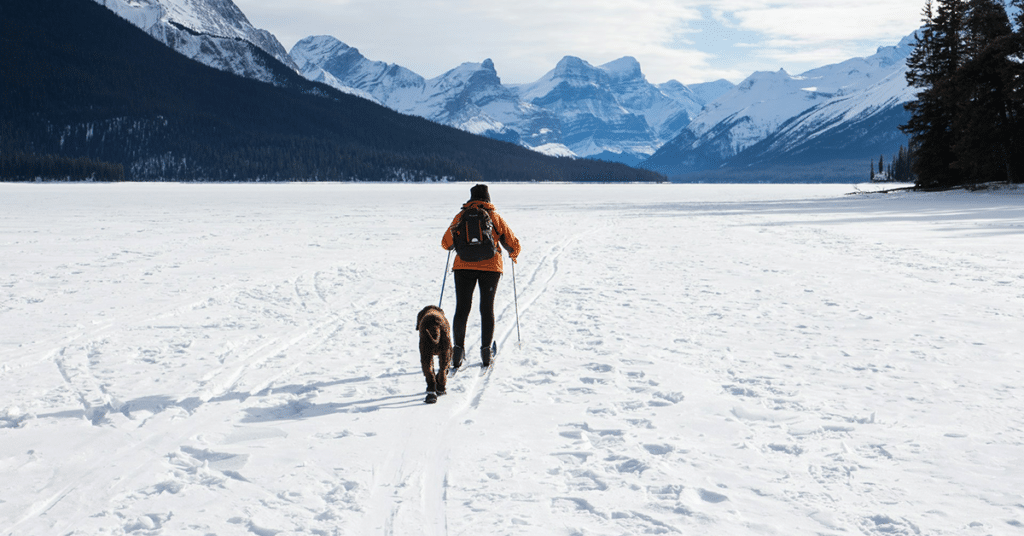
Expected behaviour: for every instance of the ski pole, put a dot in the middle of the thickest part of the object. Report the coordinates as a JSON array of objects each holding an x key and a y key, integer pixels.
[
  {"x": 515, "y": 295},
  {"x": 444, "y": 279}
]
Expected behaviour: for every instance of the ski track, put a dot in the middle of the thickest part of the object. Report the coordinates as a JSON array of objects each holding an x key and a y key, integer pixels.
[
  {"x": 245, "y": 373},
  {"x": 421, "y": 477}
]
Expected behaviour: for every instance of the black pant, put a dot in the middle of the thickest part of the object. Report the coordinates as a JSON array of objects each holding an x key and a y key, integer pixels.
[{"x": 465, "y": 282}]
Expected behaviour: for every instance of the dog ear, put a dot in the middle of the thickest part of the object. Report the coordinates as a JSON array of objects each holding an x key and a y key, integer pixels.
[{"x": 419, "y": 317}]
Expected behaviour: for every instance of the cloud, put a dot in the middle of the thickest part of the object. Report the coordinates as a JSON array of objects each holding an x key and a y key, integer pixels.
[
  {"x": 687, "y": 40},
  {"x": 816, "y": 22},
  {"x": 802, "y": 35}
]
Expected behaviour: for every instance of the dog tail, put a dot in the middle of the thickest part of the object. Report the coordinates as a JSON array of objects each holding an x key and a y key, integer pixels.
[{"x": 435, "y": 333}]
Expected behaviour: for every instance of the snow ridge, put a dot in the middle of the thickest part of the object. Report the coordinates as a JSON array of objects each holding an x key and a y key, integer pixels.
[{"x": 213, "y": 32}]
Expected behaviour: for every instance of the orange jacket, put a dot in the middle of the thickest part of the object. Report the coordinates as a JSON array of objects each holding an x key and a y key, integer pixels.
[{"x": 502, "y": 234}]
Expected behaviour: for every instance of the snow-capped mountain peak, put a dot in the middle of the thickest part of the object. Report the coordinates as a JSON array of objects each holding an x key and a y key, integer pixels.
[
  {"x": 312, "y": 50},
  {"x": 213, "y": 32},
  {"x": 470, "y": 72},
  {"x": 326, "y": 59},
  {"x": 571, "y": 67},
  {"x": 626, "y": 67},
  {"x": 576, "y": 72}
]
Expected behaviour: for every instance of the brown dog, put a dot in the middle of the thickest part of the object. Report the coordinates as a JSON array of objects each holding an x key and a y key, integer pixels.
[{"x": 435, "y": 339}]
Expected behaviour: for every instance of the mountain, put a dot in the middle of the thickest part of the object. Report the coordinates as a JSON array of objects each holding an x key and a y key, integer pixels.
[
  {"x": 213, "y": 32},
  {"x": 847, "y": 127},
  {"x": 839, "y": 114},
  {"x": 608, "y": 112},
  {"x": 469, "y": 97},
  {"x": 82, "y": 84},
  {"x": 327, "y": 60},
  {"x": 846, "y": 111}
]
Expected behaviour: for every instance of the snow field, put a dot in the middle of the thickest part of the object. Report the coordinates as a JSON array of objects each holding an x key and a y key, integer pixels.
[{"x": 696, "y": 359}]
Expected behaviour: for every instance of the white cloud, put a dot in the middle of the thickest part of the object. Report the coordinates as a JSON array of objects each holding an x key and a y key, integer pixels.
[
  {"x": 526, "y": 38},
  {"x": 816, "y": 22}
]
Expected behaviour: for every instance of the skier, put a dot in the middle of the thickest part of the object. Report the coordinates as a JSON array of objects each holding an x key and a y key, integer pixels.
[{"x": 470, "y": 272}]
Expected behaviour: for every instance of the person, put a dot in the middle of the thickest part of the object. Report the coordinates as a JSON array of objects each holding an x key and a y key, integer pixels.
[{"x": 485, "y": 274}]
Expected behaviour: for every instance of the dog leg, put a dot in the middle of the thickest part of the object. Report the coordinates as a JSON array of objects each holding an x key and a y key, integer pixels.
[
  {"x": 427, "y": 361},
  {"x": 444, "y": 361}
]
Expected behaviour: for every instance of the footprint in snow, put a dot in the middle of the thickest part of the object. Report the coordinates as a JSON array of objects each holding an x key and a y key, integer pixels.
[
  {"x": 711, "y": 496},
  {"x": 883, "y": 524},
  {"x": 659, "y": 449},
  {"x": 630, "y": 465}
]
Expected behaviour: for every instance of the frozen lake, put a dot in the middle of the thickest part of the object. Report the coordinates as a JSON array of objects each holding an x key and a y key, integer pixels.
[{"x": 695, "y": 359}]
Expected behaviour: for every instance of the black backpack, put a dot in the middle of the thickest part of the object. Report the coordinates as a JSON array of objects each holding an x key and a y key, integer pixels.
[{"x": 472, "y": 235}]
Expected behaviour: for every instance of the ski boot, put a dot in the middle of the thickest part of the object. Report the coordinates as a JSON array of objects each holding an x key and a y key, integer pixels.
[
  {"x": 485, "y": 356},
  {"x": 457, "y": 355}
]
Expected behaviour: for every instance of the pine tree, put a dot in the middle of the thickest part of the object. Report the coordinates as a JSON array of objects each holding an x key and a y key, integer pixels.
[
  {"x": 966, "y": 124},
  {"x": 931, "y": 68},
  {"x": 1015, "y": 91},
  {"x": 984, "y": 124},
  {"x": 902, "y": 168}
]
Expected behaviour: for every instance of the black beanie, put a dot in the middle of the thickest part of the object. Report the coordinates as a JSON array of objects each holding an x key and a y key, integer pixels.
[{"x": 479, "y": 193}]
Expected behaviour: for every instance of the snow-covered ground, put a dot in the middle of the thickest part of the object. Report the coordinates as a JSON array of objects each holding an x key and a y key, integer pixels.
[{"x": 695, "y": 359}]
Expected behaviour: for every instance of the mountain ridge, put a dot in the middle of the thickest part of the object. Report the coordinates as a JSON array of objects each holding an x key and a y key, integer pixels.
[
  {"x": 611, "y": 112},
  {"x": 110, "y": 93},
  {"x": 575, "y": 109},
  {"x": 777, "y": 119}
]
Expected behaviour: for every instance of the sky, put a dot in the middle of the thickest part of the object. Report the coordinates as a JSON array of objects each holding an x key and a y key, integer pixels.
[{"x": 690, "y": 41}]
